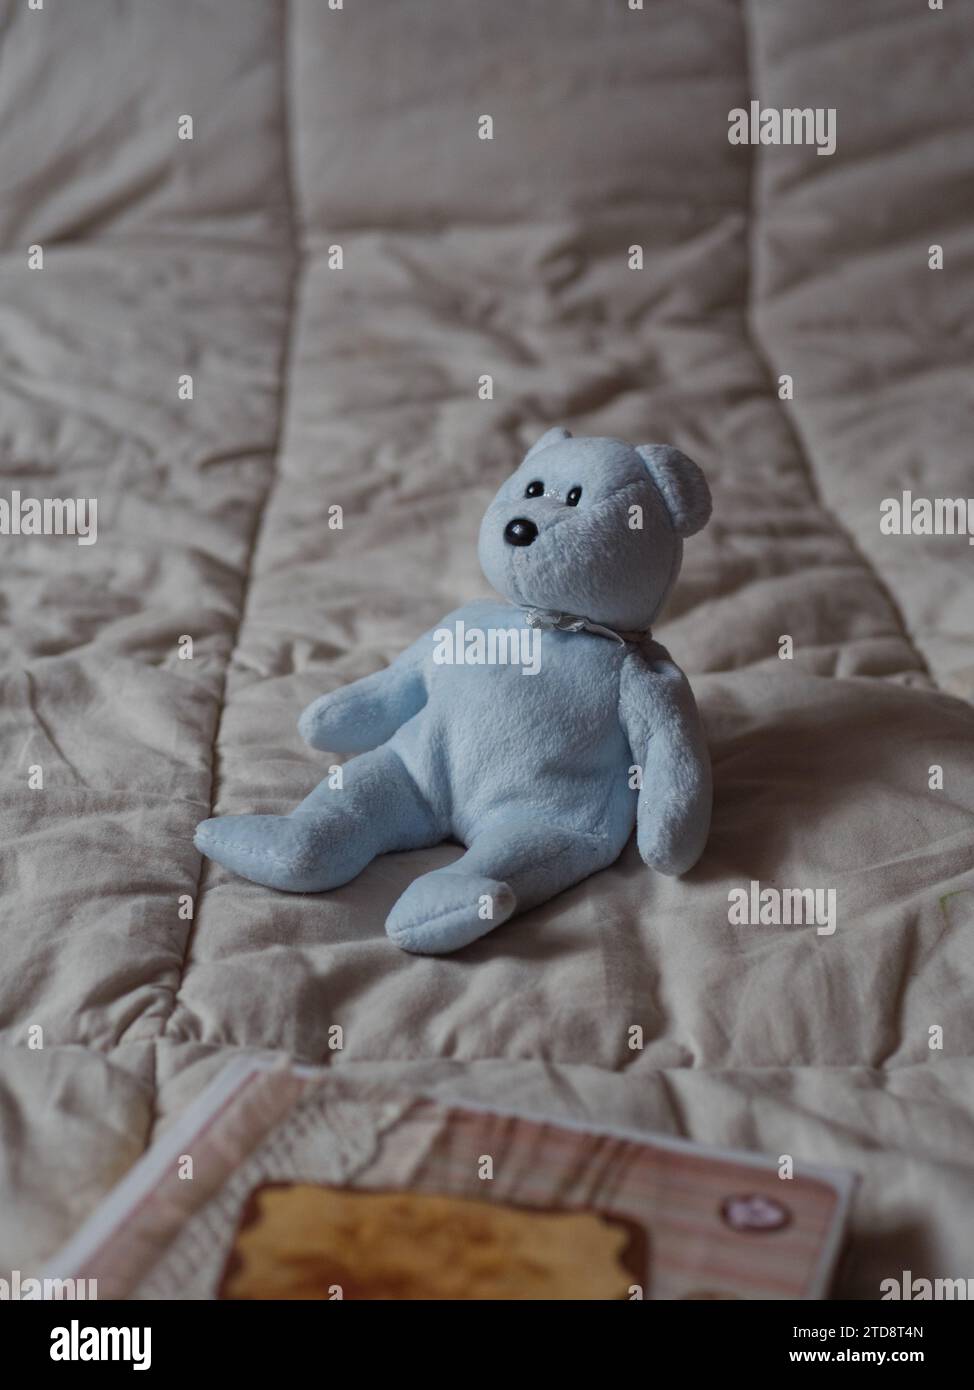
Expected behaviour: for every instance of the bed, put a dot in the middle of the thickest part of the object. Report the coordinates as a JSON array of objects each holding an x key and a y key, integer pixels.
[{"x": 233, "y": 335}]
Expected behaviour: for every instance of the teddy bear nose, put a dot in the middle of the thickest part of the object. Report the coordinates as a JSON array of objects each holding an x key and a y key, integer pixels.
[{"x": 520, "y": 531}]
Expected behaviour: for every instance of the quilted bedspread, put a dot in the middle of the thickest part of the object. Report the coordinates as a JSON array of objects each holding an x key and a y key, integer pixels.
[{"x": 335, "y": 259}]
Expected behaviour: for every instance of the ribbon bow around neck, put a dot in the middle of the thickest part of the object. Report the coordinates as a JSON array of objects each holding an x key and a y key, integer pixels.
[{"x": 552, "y": 619}]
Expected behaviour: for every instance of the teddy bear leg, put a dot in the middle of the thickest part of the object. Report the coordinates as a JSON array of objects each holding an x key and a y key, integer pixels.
[
  {"x": 509, "y": 866},
  {"x": 333, "y": 834}
]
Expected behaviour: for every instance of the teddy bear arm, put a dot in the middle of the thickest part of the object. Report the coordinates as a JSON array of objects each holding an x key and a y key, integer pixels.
[
  {"x": 667, "y": 741},
  {"x": 361, "y": 716}
]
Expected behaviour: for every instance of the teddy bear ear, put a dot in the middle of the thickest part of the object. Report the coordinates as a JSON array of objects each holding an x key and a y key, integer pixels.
[
  {"x": 681, "y": 484},
  {"x": 553, "y": 436}
]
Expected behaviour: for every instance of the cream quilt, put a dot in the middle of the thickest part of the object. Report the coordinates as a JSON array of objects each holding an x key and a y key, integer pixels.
[{"x": 336, "y": 258}]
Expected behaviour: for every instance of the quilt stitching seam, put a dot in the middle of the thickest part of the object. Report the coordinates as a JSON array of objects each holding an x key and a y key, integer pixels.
[
  {"x": 802, "y": 451},
  {"x": 295, "y": 257}
]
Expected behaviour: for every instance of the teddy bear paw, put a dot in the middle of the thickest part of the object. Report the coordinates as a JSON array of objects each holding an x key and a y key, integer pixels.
[
  {"x": 445, "y": 910},
  {"x": 286, "y": 852}
]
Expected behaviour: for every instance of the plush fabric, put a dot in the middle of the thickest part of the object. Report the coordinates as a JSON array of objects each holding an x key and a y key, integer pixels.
[{"x": 539, "y": 761}]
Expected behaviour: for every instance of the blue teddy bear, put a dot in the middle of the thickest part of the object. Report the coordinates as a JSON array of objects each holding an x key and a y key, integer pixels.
[{"x": 536, "y": 731}]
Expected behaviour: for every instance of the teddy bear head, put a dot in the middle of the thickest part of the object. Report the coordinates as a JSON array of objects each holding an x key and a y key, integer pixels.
[{"x": 594, "y": 528}]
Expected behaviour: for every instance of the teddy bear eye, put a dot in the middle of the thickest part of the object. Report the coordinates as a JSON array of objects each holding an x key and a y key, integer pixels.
[
  {"x": 574, "y": 497},
  {"x": 535, "y": 489}
]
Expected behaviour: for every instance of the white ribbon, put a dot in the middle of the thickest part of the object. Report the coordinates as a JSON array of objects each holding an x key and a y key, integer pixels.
[{"x": 574, "y": 622}]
